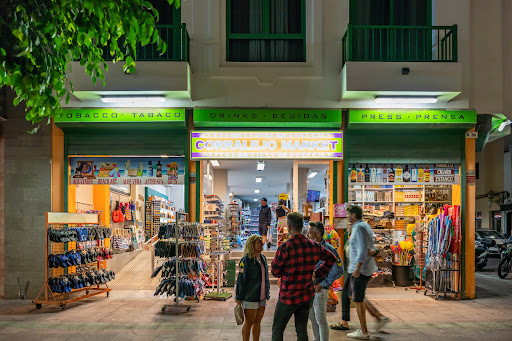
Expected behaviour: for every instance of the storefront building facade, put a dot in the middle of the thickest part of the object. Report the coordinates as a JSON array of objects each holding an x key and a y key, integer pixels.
[{"x": 208, "y": 68}]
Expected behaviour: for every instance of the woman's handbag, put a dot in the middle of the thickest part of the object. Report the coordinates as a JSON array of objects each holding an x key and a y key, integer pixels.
[{"x": 239, "y": 314}]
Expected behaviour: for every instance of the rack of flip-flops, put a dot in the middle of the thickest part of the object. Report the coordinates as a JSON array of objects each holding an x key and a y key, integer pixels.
[
  {"x": 180, "y": 247},
  {"x": 443, "y": 252},
  {"x": 76, "y": 248}
]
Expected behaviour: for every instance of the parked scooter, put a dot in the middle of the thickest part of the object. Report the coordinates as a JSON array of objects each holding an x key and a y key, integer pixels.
[
  {"x": 481, "y": 253},
  {"x": 506, "y": 262}
]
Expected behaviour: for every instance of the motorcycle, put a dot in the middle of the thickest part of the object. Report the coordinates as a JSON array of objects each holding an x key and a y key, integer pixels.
[
  {"x": 481, "y": 253},
  {"x": 506, "y": 262}
]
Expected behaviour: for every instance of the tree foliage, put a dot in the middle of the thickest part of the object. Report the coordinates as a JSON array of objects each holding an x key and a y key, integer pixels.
[{"x": 39, "y": 39}]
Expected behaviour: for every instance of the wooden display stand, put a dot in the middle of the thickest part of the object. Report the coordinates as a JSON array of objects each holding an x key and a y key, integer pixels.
[{"x": 56, "y": 219}]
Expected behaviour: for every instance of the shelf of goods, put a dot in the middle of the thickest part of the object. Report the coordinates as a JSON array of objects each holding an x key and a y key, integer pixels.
[
  {"x": 76, "y": 250},
  {"x": 217, "y": 243},
  {"x": 158, "y": 211},
  {"x": 395, "y": 214},
  {"x": 250, "y": 222},
  {"x": 182, "y": 269}
]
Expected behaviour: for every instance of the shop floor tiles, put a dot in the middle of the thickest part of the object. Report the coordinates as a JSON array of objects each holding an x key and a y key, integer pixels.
[{"x": 136, "y": 275}]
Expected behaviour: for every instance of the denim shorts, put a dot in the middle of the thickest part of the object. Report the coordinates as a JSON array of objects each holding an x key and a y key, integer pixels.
[{"x": 254, "y": 305}]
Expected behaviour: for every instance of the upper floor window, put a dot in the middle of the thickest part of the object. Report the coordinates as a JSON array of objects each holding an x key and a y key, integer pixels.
[
  {"x": 391, "y": 12},
  {"x": 266, "y": 31}
]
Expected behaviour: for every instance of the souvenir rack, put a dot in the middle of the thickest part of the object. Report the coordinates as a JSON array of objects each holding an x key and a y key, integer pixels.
[{"x": 58, "y": 220}]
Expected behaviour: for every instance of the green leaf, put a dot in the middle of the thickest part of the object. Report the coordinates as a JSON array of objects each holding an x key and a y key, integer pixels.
[{"x": 18, "y": 34}]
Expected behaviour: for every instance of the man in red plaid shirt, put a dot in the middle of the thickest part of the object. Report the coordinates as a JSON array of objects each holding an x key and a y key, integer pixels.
[{"x": 294, "y": 264}]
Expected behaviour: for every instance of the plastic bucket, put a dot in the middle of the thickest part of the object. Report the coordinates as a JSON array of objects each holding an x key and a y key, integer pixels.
[{"x": 401, "y": 275}]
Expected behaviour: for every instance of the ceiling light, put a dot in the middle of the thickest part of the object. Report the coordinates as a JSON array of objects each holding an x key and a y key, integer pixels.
[
  {"x": 230, "y": 194},
  {"x": 215, "y": 163},
  {"x": 261, "y": 165},
  {"x": 256, "y": 191},
  {"x": 255, "y": 199},
  {"x": 259, "y": 178},
  {"x": 405, "y": 99},
  {"x": 133, "y": 99},
  {"x": 312, "y": 174}
]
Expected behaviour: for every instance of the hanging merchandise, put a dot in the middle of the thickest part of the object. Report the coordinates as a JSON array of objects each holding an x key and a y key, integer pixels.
[
  {"x": 167, "y": 248},
  {"x": 186, "y": 287},
  {"x": 70, "y": 282},
  {"x": 194, "y": 267},
  {"x": 443, "y": 258}
]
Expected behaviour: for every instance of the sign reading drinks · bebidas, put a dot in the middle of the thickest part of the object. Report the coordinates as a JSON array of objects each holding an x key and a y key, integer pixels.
[
  {"x": 266, "y": 144},
  {"x": 291, "y": 118},
  {"x": 122, "y": 115}
]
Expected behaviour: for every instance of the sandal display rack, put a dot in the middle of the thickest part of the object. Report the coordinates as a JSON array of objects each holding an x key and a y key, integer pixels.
[
  {"x": 188, "y": 246},
  {"x": 58, "y": 221}
]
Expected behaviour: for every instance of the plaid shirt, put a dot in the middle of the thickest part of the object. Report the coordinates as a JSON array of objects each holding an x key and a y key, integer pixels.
[{"x": 295, "y": 263}]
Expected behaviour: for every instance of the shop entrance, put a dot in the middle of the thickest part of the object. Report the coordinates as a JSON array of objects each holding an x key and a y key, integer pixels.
[
  {"x": 137, "y": 197},
  {"x": 287, "y": 185}
]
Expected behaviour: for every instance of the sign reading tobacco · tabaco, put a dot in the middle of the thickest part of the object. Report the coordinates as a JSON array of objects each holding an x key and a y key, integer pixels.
[
  {"x": 290, "y": 118},
  {"x": 266, "y": 144},
  {"x": 122, "y": 115}
]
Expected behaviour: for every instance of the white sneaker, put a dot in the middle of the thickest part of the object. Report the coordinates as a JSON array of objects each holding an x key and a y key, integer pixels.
[
  {"x": 381, "y": 322},
  {"x": 358, "y": 334}
]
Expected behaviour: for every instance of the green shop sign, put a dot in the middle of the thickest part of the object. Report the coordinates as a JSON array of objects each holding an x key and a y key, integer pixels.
[
  {"x": 268, "y": 118},
  {"x": 120, "y": 115},
  {"x": 455, "y": 118}
]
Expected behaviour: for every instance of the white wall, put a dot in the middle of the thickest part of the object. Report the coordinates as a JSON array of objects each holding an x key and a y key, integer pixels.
[
  {"x": 176, "y": 194},
  {"x": 220, "y": 184},
  {"x": 491, "y": 179}
]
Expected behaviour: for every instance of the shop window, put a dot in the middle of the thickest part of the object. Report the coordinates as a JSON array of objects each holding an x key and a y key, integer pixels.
[
  {"x": 478, "y": 220},
  {"x": 266, "y": 31}
]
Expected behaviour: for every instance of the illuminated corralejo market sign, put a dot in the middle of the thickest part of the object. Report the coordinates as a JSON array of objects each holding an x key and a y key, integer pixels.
[{"x": 266, "y": 144}]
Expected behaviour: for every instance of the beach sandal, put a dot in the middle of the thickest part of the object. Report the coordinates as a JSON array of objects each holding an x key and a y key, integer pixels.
[{"x": 339, "y": 326}]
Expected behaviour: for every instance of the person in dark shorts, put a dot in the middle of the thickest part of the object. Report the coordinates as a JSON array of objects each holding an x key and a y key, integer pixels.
[
  {"x": 265, "y": 219},
  {"x": 361, "y": 266}
]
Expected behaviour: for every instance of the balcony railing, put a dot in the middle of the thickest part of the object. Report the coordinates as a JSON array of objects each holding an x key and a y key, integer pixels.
[
  {"x": 400, "y": 44},
  {"x": 178, "y": 42}
]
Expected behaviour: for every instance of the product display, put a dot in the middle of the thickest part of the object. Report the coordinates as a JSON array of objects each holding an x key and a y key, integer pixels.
[
  {"x": 167, "y": 248},
  {"x": 194, "y": 267},
  {"x": 76, "y": 244},
  {"x": 68, "y": 283},
  {"x": 186, "y": 287}
]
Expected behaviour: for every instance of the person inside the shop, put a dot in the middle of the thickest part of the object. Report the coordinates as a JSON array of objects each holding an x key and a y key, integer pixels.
[
  {"x": 252, "y": 287},
  {"x": 317, "y": 313},
  {"x": 295, "y": 264},
  {"x": 265, "y": 219},
  {"x": 361, "y": 267},
  {"x": 281, "y": 209}
]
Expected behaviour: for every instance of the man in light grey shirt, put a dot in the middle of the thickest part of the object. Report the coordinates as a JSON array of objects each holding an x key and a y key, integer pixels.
[{"x": 361, "y": 266}]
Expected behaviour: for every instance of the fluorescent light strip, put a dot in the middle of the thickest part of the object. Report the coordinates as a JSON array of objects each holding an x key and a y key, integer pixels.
[
  {"x": 405, "y": 99},
  {"x": 256, "y": 191},
  {"x": 255, "y": 199},
  {"x": 260, "y": 166},
  {"x": 133, "y": 99},
  {"x": 215, "y": 163},
  {"x": 312, "y": 174},
  {"x": 259, "y": 179}
]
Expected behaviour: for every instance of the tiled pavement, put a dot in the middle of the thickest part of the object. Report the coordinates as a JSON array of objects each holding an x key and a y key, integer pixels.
[{"x": 120, "y": 317}]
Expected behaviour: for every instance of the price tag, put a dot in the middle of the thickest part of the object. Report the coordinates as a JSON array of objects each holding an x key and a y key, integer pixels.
[{"x": 472, "y": 135}]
